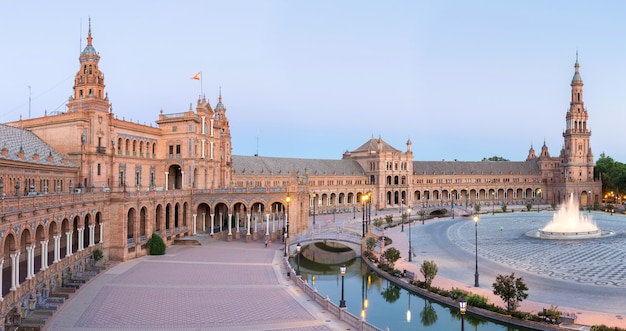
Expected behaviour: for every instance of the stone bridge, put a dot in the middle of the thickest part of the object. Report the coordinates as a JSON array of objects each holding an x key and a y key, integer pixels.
[{"x": 348, "y": 236}]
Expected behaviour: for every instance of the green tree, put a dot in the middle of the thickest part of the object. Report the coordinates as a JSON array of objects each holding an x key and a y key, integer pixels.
[
  {"x": 97, "y": 254},
  {"x": 511, "y": 290},
  {"x": 391, "y": 255},
  {"x": 389, "y": 219},
  {"x": 378, "y": 222},
  {"x": 612, "y": 173},
  {"x": 477, "y": 208},
  {"x": 429, "y": 271},
  {"x": 422, "y": 214},
  {"x": 494, "y": 158},
  {"x": 503, "y": 208},
  {"x": 529, "y": 206},
  {"x": 370, "y": 243},
  {"x": 156, "y": 245}
]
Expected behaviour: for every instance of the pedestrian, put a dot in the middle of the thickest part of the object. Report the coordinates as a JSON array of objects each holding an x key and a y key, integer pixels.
[
  {"x": 269, "y": 243},
  {"x": 266, "y": 243},
  {"x": 501, "y": 228}
]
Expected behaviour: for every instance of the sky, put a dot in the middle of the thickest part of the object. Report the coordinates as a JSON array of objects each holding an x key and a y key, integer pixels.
[{"x": 463, "y": 80}]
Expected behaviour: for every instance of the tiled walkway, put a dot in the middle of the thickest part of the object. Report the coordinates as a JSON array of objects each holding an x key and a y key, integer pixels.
[{"x": 217, "y": 286}]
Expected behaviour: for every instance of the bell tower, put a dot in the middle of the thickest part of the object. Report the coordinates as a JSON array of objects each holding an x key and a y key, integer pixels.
[
  {"x": 89, "y": 82},
  {"x": 577, "y": 156}
]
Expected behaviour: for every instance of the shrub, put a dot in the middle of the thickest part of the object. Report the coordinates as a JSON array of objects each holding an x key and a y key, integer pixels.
[
  {"x": 156, "y": 245},
  {"x": 97, "y": 254},
  {"x": 476, "y": 300},
  {"x": 457, "y": 293}
]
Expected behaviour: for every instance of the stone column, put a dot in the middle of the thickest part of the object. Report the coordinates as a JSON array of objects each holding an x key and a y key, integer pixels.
[
  {"x": 230, "y": 227},
  {"x": 101, "y": 228},
  {"x": 195, "y": 222},
  {"x": 14, "y": 270},
  {"x": 68, "y": 243},
  {"x": 1, "y": 266},
  {"x": 57, "y": 248},
  {"x": 92, "y": 227},
  {"x": 81, "y": 238},
  {"x": 167, "y": 179},
  {"x": 29, "y": 255}
]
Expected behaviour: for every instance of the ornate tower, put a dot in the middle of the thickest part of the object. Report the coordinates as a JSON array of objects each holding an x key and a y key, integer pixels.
[
  {"x": 576, "y": 157},
  {"x": 89, "y": 82}
]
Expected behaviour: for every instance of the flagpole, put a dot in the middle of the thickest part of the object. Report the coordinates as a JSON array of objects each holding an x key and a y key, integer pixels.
[{"x": 201, "y": 88}]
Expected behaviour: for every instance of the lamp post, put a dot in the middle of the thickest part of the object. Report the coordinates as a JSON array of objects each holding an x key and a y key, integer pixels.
[
  {"x": 452, "y": 191},
  {"x": 364, "y": 199},
  {"x": 314, "y": 203},
  {"x": 401, "y": 215},
  {"x": 462, "y": 309},
  {"x": 285, "y": 240},
  {"x": 476, "y": 231},
  {"x": 288, "y": 199},
  {"x": 408, "y": 311},
  {"x": 409, "y": 219},
  {"x": 342, "y": 269},
  {"x": 298, "y": 248},
  {"x": 493, "y": 203}
]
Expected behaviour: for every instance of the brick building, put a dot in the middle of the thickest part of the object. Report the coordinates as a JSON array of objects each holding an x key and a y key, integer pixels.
[{"x": 84, "y": 179}]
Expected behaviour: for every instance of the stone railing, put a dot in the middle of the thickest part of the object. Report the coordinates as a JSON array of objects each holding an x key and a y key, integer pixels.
[{"x": 342, "y": 314}]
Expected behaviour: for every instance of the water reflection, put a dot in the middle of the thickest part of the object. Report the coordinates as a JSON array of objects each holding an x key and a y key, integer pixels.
[{"x": 383, "y": 303}]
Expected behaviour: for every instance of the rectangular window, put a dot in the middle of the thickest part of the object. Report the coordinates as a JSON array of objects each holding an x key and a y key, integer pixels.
[
  {"x": 171, "y": 149},
  {"x": 99, "y": 169},
  {"x": 177, "y": 149}
]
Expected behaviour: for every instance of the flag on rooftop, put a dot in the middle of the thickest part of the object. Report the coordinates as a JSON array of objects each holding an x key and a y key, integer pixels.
[{"x": 197, "y": 76}]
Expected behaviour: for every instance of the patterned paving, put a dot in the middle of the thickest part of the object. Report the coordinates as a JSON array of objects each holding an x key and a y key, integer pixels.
[
  {"x": 600, "y": 262},
  {"x": 217, "y": 286}
]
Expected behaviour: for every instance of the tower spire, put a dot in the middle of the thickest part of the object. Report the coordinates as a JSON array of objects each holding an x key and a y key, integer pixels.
[{"x": 89, "y": 39}]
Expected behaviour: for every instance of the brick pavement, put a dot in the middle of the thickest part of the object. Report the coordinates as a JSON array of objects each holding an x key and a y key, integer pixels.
[{"x": 216, "y": 286}]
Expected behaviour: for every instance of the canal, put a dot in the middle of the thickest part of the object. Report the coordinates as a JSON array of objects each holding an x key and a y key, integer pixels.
[{"x": 386, "y": 305}]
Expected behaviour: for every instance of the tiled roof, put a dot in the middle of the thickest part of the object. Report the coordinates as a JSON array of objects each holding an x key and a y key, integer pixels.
[
  {"x": 266, "y": 165},
  {"x": 14, "y": 139},
  {"x": 476, "y": 168},
  {"x": 372, "y": 145}
]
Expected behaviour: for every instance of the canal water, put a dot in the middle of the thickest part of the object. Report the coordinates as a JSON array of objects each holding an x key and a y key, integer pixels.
[{"x": 384, "y": 304}]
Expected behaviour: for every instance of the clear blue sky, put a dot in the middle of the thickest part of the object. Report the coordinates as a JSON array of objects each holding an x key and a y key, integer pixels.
[{"x": 311, "y": 79}]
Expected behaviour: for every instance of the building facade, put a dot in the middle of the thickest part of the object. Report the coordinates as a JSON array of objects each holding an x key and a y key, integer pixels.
[{"x": 84, "y": 179}]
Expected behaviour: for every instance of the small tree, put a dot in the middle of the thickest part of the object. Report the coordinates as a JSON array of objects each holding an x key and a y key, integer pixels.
[
  {"x": 511, "y": 290},
  {"x": 529, "y": 206},
  {"x": 156, "y": 245},
  {"x": 391, "y": 255},
  {"x": 429, "y": 270},
  {"x": 477, "y": 208},
  {"x": 370, "y": 243},
  {"x": 422, "y": 214},
  {"x": 503, "y": 208},
  {"x": 97, "y": 254},
  {"x": 378, "y": 222},
  {"x": 389, "y": 219}
]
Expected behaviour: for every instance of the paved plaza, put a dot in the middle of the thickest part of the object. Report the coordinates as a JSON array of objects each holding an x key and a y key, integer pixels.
[
  {"x": 242, "y": 286},
  {"x": 217, "y": 286},
  {"x": 582, "y": 277}
]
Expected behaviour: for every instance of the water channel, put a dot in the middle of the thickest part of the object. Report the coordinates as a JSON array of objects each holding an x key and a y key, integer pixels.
[{"x": 385, "y": 304}]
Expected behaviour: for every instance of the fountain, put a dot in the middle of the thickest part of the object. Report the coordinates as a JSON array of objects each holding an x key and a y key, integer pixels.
[{"x": 570, "y": 223}]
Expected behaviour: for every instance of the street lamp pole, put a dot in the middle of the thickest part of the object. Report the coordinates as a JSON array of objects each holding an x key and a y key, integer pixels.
[
  {"x": 314, "y": 203},
  {"x": 288, "y": 199},
  {"x": 342, "y": 269},
  {"x": 493, "y": 203},
  {"x": 462, "y": 309},
  {"x": 476, "y": 231},
  {"x": 401, "y": 216},
  {"x": 452, "y": 203},
  {"x": 410, "y": 252},
  {"x": 298, "y": 248},
  {"x": 285, "y": 240}
]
